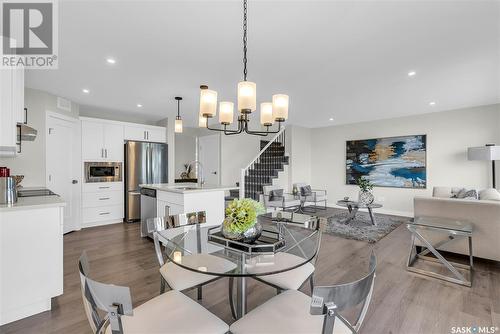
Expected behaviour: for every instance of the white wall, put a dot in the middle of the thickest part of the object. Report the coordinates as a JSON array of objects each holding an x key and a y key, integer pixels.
[
  {"x": 185, "y": 147},
  {"x": 298, "y": 146},
  {"x": 236, "y": 153},
  {"x": 171, "y": 147},
  {"x": 448, "y": 136},
  {"x": 31, "y": 161}
]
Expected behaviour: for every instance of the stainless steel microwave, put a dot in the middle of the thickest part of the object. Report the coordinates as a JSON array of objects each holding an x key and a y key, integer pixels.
[{"x": 103, "y": 172}]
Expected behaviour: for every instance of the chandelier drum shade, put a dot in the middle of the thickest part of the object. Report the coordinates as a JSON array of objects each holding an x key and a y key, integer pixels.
[{"x": 270, "y": 112}]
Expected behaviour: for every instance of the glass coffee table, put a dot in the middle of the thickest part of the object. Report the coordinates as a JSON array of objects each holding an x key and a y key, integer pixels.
[
  {"x": 354, "y": 207},
  {"x": 451, "y": 229}
]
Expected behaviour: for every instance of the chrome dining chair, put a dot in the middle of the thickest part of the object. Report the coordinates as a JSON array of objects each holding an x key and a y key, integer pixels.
[
  {"x": 171, "y": 312},
  {"x": 294, "y": 312},
  {"x": 172, "y": 275}
]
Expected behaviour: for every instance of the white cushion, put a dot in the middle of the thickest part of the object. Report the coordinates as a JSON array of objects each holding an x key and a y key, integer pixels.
[
  {"x": 489, "y": 194},
  {"x": 180, "y": 279},
  {"x": 319, "y": 198},
  {"x": 288, "y": 203},
  {"x": 171, "y": 312},
  {"x": 286, "y": 313},
  {"x": 291, "y": 279}
]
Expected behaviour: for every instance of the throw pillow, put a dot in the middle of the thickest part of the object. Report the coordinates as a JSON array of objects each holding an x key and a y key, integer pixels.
[
  {"x": 489, "y": 194},
  {"x": 467, "y": 194},
  {"x": 305, "y": 191},
  {"x": 276, "y": 195}
]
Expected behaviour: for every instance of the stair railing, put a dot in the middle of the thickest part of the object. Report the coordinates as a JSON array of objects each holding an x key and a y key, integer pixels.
[{"x": 268, "y": 164}]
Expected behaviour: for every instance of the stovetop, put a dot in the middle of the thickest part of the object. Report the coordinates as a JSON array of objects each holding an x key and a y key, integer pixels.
[{"x": 35, "y": 192}]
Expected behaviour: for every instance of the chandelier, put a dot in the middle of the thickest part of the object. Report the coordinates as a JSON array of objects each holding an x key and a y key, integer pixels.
[{"x": 270, "y": 112}]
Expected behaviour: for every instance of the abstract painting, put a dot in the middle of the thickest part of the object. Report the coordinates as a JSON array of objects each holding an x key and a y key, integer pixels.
[{"x": 398, "y": 162}]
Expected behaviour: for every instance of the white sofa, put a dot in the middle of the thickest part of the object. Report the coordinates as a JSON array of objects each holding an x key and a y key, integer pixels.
[{"x": 484, "y": 214}]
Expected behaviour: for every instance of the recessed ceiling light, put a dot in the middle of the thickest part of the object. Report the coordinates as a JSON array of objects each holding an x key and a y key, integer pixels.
[
  {"x": 110, "y": 60},
  {"x": 85, "y": 90},
  {"x": 330, "y": 119},
  {"x": 432, "y": 103},
  {"x": 411, "y": 73},
  {"x": 139, "y": 105}
]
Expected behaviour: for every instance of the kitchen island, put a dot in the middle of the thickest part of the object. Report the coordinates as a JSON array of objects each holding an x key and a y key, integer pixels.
[
  {"x": 176, "y": 198},
  {"x": 31, "y": 256}
]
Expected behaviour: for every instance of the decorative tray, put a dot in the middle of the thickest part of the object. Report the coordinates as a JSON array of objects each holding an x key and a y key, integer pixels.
[{"x": 269, "y": 242}]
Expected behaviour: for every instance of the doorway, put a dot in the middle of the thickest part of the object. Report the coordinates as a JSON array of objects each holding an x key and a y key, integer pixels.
[
  {"x": 209, "y": 156},
  {"x": 63, "y": 165}
]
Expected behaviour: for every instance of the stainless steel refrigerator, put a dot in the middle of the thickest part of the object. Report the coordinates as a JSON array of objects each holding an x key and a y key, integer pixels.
[{"x": 145, "y": 163}]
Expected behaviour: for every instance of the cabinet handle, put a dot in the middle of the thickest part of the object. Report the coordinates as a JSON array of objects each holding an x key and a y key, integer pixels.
[
  {"x": 104, "y": 198},
  {"x": 103, "y": 213},
  {"x": 102, "y": 153},
  {"x": 167, "y": 211},
  {"x": 147, "y": 132},
  {"x": 103, "y": 187},
  {"x": 144, "y": 135},
  {"x": 106, "y": 152}
]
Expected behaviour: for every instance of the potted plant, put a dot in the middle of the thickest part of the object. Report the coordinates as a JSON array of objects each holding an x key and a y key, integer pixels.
[
  {"x": 365, "y": 195},
  {"x": 241, "y": 220}
]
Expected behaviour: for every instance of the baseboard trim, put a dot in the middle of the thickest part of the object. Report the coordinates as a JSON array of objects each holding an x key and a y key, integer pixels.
[
  {"x": 384, "y": 211},
  {"x": 101, "y": 223}
]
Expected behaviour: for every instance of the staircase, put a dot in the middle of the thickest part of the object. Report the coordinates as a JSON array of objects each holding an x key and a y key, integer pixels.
[{"x": 264, "y": 168}]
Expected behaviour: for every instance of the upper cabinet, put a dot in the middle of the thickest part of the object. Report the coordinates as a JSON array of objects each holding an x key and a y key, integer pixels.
[
  {"x": 149, "y": 133},
  {"x": 102, "y": 141},
  {"x": 11, "y": 108}
]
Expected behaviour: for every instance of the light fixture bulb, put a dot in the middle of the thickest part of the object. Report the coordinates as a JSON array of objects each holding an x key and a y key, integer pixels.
[
  {"x": 266, "y": 114},
  {"x": 412, "y": 73},
  {"x": 139, "y": 105},
  {"x": 208, "y": 102},
  {"x": 178, "y": 125},
  {"x": 280, "y": 107},
  {"x": 85, "y": 90},
  {"x": 226, "y": 111},
  {"x": 110, "y": 60},
  {"x": 247, "y": 97},
  {"x": 432, "y": 104}
]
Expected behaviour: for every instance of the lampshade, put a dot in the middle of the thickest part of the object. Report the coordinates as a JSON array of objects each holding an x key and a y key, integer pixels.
[
  {"x": 208, "y": 102},
  {"x": 178, "y": 125},
  {"x": 484, "y": 153},
  {"x": 280, "y": 107},
  {"x": 202, "y": 121},
  {"x": 247, "y": 96},
  {"x": 226, "y": 113},
  {"x": 266, "y": 114}
]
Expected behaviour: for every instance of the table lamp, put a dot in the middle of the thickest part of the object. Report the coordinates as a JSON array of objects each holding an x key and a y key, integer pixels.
[{"x": 490, "y": 152}]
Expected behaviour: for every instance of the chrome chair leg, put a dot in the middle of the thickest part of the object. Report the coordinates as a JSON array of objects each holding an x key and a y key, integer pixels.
[
  {"x": 231, "y": 300},
  {"x": 162, "y": 285}
]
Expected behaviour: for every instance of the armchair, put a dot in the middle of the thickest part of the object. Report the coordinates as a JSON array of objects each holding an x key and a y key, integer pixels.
[
  {"x": 313, "y": 198},
  {"x": 283, "y": 202}
]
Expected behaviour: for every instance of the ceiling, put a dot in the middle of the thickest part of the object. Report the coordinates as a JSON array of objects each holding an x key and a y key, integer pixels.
[{"x": 346, "y": 60}]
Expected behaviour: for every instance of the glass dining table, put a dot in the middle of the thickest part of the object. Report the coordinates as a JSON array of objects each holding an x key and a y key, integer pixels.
[{"x": 189, "y": 247}]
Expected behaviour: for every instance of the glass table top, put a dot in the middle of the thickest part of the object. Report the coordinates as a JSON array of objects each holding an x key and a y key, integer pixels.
[
  {"x": 359, "y": 205},
  {"x": 443, "y": 224},
  {"x": 188, "y": 246}
]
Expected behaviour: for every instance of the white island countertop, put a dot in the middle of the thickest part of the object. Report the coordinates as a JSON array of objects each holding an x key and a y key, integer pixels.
[
  {"x": 35, "y": 202},
  {"x": 185, "y": 188}
]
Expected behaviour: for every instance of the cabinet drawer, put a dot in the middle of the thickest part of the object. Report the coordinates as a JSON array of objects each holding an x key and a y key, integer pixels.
[
  {"x": 113, "y": 212},
  {"x": 174, "y": 198},
  {"x": 102, "y": 186},
  {"x": 102, "y": 198}
]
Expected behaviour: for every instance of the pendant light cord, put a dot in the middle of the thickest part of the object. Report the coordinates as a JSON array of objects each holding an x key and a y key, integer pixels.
[
  {"x": 245, "y": 40},
  {"x": 178, "y": 108}
]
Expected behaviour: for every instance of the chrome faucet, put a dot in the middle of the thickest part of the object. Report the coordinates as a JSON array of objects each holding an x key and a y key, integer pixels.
[{"x": 199, "y": 173}]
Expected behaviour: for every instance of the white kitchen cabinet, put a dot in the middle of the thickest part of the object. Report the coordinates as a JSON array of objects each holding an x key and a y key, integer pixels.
[
  {"x": 162, "y": 207},
  {"x": 157, "y": 135},
  {"x": 11, "y": 108},
  {"x": 138, "y": 132},
  {"x": 113, "y": 142},
  {"x": 102, "y": 141}
]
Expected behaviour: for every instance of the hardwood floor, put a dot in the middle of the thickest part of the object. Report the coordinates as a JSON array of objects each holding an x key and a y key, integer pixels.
[{"x": 403, "y": 302}]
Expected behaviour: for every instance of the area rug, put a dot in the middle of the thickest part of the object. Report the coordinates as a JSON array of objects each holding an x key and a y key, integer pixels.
[{"x": 361, "y": 228}]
